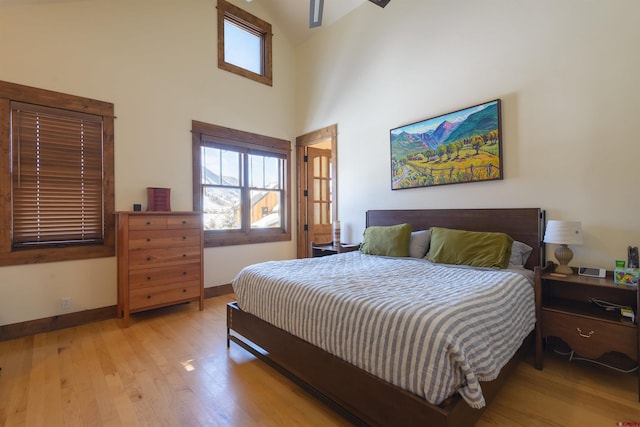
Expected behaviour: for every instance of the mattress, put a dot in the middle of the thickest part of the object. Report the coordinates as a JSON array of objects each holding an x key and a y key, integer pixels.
[{"x": 428, "y": 328}]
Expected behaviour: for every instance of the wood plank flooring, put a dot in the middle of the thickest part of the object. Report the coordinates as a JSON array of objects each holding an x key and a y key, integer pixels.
[{"x": 172, "y": 368}]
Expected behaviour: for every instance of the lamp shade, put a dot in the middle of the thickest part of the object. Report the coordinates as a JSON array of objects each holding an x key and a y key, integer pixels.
[{"x": 563, "y": 232}]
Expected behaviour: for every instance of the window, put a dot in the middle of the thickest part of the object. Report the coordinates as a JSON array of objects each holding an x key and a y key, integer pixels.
[
  {"x": 244, "y": 43},
  {"x": 241, "y": 184},
  {"x": 56, "y": 181}
]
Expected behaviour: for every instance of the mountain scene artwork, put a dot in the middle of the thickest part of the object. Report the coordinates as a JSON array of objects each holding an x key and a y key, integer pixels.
[{"x": 458, "y": 147}]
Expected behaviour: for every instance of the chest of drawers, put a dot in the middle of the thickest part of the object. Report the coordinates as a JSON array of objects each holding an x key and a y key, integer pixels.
[{"x": 159, "y": 260}]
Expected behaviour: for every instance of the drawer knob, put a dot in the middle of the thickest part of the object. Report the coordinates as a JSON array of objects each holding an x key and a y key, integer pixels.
[
  {"x": 184, "y": 222},
  {"x": 148, "y": 222},
  {"x": 184, "y": 237},
  {"x": 148, "y": 296},
  {"x": 148, "y": 258},
  {"x": 148, "y": 240},
  {"x": 184, "y": 255},
  {"x": 583, "y": 335},
  {"x": 148, "y": 277},
  {"x": 184, "y": 290},
  {"x": 184, "y": 273}
]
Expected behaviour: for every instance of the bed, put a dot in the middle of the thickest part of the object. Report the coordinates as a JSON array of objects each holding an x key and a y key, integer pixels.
[{"x": 390, "y": 396}]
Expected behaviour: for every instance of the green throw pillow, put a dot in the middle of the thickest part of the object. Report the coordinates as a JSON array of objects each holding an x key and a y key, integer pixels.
[
  {"x": 475, "y": 248},
  {"x": 392, "y": 240}
]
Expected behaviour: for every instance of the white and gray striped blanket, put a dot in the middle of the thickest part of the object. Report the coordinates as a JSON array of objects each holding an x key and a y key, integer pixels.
[{"x": 430, "y": 329}]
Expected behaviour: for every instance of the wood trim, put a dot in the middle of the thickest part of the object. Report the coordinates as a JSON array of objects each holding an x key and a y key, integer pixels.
[
  {"x": 317, "y": 135},
  {"x": 301, "y": 216},
  {"x": 216, "y": 291},
  {"x": 257, "y": 25},
  {"x": 32, "y": 95},
  {"x": 237, "y": 137},
  {"x": 47, "y": 324},
  {"x": 303, "y": 141},
  {"x": 15, "y": 92}
]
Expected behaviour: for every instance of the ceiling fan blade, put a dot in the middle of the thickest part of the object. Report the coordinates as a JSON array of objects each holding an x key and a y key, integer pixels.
[
  {"x": 381, "y": 3},
  {"x": 315, "y": 13}
]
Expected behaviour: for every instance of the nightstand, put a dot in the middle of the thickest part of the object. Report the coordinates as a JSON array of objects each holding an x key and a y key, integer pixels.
[
  {"x": 564, "y": 309},
  {"x": 324, "y": 249}
]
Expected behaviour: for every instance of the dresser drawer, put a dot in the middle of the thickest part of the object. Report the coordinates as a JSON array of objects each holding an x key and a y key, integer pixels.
[
  {"x": 590, "y": 337},
  {"x": 147, "y": 222},
  {"x": 142, "y": 258},
  {"x": 162, "y": 295},
  {"x": 154, "y": 239},
  {"x": 183, "y": 221},
  {"x": 150, "y": 277}
]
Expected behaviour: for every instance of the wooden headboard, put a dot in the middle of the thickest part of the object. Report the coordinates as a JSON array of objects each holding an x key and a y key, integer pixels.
[{"x": 523, "y": 224}]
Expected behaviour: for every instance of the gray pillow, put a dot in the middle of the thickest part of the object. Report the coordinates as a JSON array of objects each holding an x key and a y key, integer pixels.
[
  {"x": 419, "y": 243},
  {"x": 520, "y": 253}
]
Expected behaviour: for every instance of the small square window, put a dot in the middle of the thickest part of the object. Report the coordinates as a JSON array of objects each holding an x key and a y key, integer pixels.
[
  {"x": 244, "y": 43},
  {"x": 242, "y": 47}
]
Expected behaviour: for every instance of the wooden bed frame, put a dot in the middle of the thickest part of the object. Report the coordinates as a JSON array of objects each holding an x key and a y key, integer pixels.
[{"x": 359, "y": 396}]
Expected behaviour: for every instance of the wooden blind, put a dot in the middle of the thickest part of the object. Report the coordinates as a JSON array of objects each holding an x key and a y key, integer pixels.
[{"x": 57, "y": 176}]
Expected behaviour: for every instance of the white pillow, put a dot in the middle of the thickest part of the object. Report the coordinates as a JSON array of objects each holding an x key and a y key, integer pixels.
[{"x": 419, "y": 243}]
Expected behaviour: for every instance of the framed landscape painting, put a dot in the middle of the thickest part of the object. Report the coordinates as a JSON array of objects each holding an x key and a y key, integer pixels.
[{"x": 458, "y": 147}]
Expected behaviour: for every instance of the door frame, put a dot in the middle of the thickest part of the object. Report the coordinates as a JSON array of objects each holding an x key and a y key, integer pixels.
[{"x": 303, "y": 141}]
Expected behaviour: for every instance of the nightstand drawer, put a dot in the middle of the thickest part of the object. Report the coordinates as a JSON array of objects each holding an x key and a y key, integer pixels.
[{"x": 590, "y": 337}]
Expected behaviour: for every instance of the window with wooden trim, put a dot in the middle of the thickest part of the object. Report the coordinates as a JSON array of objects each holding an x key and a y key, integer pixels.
[
  {"x": 57, "y": 178},
  {"x": 244, "y": 44},
  {"x": 241, "y": 184}
]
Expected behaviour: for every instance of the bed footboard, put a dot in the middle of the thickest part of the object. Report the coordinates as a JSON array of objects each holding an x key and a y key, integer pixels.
[{"x": 357, "y": 395}]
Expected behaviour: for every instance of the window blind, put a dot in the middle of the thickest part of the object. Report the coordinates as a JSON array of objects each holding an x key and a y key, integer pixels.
[{"x": 56, "y": 176}]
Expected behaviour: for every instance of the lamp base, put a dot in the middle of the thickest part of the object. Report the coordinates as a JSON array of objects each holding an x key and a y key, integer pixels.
[
  {"x": 564, "y": 269},
  {"x": 563, "y": 255}
]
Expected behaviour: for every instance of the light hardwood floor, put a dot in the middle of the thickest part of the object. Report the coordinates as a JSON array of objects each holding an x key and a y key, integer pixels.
[{"x": 172, "y": 368}]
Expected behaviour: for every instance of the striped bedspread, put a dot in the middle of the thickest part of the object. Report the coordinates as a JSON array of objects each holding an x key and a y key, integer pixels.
[{"x": 427, "y": 328}]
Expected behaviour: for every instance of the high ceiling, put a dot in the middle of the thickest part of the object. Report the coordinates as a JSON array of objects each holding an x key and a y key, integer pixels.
[{"x": 292, "y": 15}]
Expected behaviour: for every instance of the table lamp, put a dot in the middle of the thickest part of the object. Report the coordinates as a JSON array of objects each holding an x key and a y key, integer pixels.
[{"x": 563, "y": 233}]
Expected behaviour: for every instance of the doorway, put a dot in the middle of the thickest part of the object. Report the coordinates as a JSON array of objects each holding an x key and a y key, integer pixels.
[{"x": 316, "y": 173}]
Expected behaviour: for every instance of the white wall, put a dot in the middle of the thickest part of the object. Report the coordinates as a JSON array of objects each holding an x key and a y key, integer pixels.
[
  {"x": 156, "y": 60},
  {"x": 566, "y": 71}
]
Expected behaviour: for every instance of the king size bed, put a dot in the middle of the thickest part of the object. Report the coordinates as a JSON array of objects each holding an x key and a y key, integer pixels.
[{"x": 418, "y": 333}]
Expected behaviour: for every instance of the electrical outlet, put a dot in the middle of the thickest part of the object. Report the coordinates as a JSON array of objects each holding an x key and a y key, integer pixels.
[{"x": 65, "y": 303}]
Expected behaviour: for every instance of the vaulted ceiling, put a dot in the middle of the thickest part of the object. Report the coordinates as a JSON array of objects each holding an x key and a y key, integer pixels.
[{"x": 293, "y": 15}]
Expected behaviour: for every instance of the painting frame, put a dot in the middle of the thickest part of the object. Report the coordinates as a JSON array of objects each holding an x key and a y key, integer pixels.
[{"x": 458, "y": 147}]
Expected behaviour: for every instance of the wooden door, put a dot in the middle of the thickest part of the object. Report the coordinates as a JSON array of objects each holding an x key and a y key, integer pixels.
[
  {"x": 319, "y": 197},
  {"x": 317, "y": 177}
]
